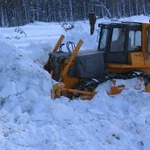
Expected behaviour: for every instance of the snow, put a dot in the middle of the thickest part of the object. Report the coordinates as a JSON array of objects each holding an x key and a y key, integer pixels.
[{"x": 31, "y": 120}]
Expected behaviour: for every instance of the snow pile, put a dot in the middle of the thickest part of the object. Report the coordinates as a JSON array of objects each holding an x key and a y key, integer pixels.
[
  {"x": 140, "y": 18},
  {"x": 40, "y": 53},
  {"x": 20, "y": 77}
]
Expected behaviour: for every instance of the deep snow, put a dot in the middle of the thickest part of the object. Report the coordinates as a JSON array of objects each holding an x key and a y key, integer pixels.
[{"x": 30, "y": 120}]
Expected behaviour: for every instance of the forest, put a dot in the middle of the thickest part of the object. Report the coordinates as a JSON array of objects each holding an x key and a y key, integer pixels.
[{"x": 21, "y": 12}]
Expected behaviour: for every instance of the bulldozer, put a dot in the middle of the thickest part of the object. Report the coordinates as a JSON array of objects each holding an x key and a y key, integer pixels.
[{"x": 77, "y": 73}]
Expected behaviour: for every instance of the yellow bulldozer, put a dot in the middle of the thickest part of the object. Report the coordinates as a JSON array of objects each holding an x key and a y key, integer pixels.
[{"x": 123, "y": 52}]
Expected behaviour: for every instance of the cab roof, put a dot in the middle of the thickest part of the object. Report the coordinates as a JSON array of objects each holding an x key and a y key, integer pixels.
[{"x": 120, "y": 24}]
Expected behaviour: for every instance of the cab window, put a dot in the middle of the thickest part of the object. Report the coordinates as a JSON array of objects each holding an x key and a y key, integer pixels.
[
  {"x": 134, "y": 40},
  {"x": 118, "y": 40},
  {"x": 103, "y": 39}
]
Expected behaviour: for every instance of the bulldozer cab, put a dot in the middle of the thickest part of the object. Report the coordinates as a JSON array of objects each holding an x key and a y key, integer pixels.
[{"x": 116, "y": 40}]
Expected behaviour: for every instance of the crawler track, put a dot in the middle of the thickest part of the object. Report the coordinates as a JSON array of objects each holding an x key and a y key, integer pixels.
[{"x": 94, "y": 82}]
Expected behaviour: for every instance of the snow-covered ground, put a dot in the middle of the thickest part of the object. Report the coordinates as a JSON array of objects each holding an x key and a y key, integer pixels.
[{"x": 30, "y": 120}]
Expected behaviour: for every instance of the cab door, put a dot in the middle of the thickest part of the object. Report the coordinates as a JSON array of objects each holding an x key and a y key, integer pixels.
[{"x": 117, "y": 50}]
